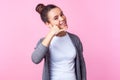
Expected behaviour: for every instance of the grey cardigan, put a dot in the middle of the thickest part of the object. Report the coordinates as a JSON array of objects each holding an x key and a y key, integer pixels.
[{"x": 41, "y": 52}]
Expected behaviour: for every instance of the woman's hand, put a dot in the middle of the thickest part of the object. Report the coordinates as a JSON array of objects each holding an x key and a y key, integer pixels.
[{"x": 55, "y": 30}]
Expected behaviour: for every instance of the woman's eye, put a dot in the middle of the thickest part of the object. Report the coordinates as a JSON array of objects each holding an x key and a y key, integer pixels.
[
  {"x": 55, "y": 18},
  {"x": 62, "y": 14}
]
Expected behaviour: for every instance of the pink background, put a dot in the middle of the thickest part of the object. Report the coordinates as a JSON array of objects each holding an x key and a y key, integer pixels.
[{"x": 96, "y": 22}]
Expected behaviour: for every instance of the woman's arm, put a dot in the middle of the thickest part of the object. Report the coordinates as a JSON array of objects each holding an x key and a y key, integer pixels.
[
  {"x": 39, "y": 53},
  {"x": 42, "y": 47},
  {"x": 82, "y": 62}
]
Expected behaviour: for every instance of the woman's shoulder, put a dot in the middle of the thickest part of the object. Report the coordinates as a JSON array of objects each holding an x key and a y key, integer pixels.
[
  {"x": 76, "y": 40},
  {"x": 73, "y": 36}
]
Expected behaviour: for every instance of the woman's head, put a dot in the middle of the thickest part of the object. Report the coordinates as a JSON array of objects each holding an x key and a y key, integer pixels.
[{"x": 52, "y": 15}]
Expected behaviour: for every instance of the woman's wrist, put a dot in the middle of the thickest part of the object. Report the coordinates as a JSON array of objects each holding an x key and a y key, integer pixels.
[{"x": 48, "y": 39}]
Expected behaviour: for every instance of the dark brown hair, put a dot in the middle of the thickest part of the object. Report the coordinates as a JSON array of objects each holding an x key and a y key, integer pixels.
[{"x": 43, "y": 11}]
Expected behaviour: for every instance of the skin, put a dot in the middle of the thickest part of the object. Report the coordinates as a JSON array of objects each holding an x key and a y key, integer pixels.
[
  {"x": 57, "y": 24},
  {"x": 57, "y": 18}
]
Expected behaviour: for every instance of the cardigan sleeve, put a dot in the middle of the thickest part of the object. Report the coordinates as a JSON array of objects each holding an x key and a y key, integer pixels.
[
  {"x": 82, "y": 61},
  {"x": 39, "y": 52}
]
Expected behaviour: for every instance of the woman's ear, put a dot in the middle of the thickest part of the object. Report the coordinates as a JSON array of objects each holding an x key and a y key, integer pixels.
[{"x": 48, "y": 24}]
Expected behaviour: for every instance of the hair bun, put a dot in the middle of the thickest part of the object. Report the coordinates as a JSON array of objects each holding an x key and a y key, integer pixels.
[{"x": 39, "y": 8}]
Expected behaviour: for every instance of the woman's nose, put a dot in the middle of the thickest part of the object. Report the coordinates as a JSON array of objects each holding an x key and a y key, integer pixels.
[{"x": 61, "y": 18}]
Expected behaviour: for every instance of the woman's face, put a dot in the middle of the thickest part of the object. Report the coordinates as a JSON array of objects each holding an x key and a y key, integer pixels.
[{"x": 56, "y": 17}]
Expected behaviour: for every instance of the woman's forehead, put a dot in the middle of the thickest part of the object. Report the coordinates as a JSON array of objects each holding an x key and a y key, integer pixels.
[{"x": 53, "y": 12}]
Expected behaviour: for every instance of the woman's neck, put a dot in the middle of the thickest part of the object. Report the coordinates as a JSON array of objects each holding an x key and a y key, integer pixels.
[{"x": 63, "y": 33}]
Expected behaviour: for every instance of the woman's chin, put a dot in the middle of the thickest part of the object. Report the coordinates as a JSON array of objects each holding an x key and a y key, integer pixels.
[{"x": 64, "y": 27}]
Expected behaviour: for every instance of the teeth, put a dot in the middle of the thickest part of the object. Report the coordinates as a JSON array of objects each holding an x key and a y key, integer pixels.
[{"x": 62, "y": 23}]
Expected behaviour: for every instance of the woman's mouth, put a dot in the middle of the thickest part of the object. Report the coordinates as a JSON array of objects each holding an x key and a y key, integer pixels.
[{"x": 63, "y": 23}]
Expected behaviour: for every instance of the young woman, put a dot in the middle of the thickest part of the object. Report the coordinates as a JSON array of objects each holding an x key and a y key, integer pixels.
[{"x": 62, "y": 51}]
